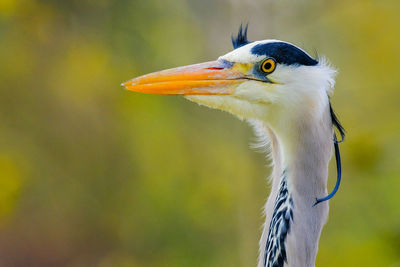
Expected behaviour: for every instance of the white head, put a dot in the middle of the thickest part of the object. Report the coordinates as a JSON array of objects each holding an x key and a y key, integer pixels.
[{"x": 269, "y": 80}]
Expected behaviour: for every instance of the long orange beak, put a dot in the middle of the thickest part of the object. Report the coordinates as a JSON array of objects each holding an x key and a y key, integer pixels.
[{"x": 209, "y": 78}]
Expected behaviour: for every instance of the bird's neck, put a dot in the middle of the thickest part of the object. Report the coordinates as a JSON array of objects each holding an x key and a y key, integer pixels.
[{"x": 300, "y": 155}]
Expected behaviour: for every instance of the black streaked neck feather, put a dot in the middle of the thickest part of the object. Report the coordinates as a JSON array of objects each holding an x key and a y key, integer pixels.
[{"x": 282, "y": 217}]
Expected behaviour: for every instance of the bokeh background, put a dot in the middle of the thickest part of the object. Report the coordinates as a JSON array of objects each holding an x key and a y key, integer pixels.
[{"x": 92, "y": 175}]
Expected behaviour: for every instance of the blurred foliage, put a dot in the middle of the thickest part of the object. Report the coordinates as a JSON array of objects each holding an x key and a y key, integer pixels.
[{"x": 92, "y": 175}]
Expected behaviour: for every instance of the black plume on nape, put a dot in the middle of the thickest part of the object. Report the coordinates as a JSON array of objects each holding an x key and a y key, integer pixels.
[
  {"x": 336, "y": 123},
  {"x": 241, "y": 38}
]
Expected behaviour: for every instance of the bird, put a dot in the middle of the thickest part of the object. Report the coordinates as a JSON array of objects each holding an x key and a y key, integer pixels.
[{"x": 284, "y": 94}]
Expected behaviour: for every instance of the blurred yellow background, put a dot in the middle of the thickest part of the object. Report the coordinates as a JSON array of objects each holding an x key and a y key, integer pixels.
[{"x": 92, "y": 175}]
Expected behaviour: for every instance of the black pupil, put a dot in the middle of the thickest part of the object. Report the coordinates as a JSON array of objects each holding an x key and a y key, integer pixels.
[{"x": 267, "y": 66}]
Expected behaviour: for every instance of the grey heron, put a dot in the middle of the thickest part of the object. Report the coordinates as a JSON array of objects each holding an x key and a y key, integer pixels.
[{"x": 284, "y": 93}]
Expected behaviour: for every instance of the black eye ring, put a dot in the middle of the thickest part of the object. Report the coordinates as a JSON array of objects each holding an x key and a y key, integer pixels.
[{"x": 268, "y": 65}]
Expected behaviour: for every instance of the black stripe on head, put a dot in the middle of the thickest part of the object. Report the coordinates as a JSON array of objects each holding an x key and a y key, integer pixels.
[
  {"x": 241, "y": 38},
  {"x": 284, "y": 53}
]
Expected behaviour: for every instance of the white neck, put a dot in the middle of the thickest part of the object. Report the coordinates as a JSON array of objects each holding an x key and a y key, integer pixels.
[{"x": 300, "y": 156}]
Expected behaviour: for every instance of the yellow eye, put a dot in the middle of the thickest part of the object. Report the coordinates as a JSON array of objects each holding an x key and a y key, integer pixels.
[{"x": 268, "y": 65}]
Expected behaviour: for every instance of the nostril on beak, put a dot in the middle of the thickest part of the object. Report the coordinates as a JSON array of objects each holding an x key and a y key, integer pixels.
[{"x": 214, "y": 68}]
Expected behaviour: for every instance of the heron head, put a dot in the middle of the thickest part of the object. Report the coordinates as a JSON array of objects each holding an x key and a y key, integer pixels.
[{"x": 257, "y": 80}]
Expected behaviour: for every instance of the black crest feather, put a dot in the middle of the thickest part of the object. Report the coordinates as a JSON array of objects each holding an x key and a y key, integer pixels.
[{"x": 241, "y": 38}]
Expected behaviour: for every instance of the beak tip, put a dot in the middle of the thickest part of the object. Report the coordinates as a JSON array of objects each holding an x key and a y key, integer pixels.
[{"x": 125, "y": 85}]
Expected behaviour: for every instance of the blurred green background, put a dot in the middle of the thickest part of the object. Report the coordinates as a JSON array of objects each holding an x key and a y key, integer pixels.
[{"x": 92, "y": 175}]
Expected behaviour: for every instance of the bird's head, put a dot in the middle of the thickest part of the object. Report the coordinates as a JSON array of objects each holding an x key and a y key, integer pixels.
[{"x": 266, "y": 80}]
